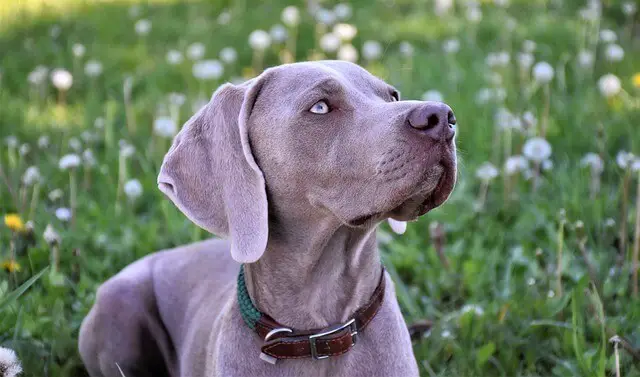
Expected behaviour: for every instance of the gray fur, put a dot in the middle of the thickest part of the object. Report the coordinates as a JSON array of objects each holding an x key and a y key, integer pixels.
[{"x": 299, "y": 196}]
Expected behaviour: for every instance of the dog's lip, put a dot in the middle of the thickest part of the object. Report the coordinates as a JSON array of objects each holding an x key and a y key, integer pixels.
[{"x": 440, "y": 193}]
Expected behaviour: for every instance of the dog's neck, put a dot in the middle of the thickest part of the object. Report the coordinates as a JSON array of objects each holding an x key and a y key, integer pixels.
[{"x": 316, "y": 274}]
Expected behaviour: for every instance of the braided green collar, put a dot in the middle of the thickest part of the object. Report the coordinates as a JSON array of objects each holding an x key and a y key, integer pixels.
[{"x": 250, "y": 314}]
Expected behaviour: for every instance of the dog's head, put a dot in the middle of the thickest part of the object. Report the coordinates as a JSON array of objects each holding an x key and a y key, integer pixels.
[{"x": 323, "y": 137}]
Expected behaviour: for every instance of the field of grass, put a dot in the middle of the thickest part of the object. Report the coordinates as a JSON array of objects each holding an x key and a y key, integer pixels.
[{"x": 526, "y": 271}]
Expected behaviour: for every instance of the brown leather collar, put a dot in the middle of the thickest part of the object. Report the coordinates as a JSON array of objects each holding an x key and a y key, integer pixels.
[{"x": 282, "y": 342}]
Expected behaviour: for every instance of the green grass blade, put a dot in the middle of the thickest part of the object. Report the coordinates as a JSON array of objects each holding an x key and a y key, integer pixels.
[{"x": 11, "y": 297}]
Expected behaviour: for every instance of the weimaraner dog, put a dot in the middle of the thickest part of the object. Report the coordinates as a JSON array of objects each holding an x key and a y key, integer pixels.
[{"x": 296, "y": 167}]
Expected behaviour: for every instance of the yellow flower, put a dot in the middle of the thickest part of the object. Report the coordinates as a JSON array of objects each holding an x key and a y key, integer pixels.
[
  {"x": 635, "y": 79},
  {"x": 11, "y": 266},
  {"x": 14, "y": 222}
]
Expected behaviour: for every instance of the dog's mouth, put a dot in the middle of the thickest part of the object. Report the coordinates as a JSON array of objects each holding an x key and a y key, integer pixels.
[{"x": 430, "y": 192}]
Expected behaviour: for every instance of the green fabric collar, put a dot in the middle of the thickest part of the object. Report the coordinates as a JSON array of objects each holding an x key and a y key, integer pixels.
[{"x": 250, "y": 314}]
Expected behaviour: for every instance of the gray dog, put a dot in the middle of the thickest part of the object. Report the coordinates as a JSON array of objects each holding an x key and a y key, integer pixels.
[{"x": 296, "y": 167}]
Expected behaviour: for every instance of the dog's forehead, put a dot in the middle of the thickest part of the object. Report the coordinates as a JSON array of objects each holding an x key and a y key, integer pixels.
[{"x": 308, "y": 73}]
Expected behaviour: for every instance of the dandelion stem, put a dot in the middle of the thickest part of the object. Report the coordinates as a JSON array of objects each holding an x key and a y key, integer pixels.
[
  {"x": 559, "y": 266},
  {"x": 636, "y": 243},
  {"x": 55, "y": 258},
  {"x": 34, "y": 200},
  {"x": 291, "y": 45},
  {"x": 258, "y": 56},
  {"x": 62, "y": 97},
  {"x": 108, "y": 126},
  {"x": 128, "y": 106},
  {"x": 616, "y": 341},
  {"x": 545, "y": 115},
  {"x": 594, "y": 186},
  {"x": 482, "y": 194},
  {"x": 582, "y": 246},
  {"x": 87, "y": 178},
  {"x": 122, "y": 177},
  {"x": 8, "y": 184},
  {"x": 536, "y": 176},
  {"x": 72, "y": 195},
  {"x": 626, "y": 182}
]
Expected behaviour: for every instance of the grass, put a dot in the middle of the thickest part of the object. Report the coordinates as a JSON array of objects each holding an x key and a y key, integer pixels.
[{"x": 484, "y": 271}]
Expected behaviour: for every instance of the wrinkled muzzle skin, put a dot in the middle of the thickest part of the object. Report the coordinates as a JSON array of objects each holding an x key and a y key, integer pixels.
[{"x": 386, "y": 167}]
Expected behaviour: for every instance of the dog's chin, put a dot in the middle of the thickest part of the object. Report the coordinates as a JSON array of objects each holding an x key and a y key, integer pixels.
[{"x": 431, "y": 194}]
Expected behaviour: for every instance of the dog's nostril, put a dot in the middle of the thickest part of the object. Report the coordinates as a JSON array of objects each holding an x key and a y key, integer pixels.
[
  {"x": 451, "y": 118},
  {"x": 432, "y": 121}
]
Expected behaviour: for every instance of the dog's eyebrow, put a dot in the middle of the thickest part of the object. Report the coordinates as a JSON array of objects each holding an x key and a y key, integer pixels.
[{"x": 328, "y": 85}]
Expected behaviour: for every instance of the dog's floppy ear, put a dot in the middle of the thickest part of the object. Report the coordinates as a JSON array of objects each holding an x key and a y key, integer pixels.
[{"x": 212, "y": 177}]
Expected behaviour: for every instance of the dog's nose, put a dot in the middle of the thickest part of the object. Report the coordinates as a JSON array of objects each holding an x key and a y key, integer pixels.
[{"x": 436, "y": 119}]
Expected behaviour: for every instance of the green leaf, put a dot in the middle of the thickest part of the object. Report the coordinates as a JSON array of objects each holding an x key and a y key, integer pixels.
[
  {"x": 484, "y": 353},
  {"x": 11, "y": 297}
]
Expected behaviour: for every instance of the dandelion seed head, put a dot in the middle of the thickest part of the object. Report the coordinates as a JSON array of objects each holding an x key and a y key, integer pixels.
[{"x": 69, "y": 161}]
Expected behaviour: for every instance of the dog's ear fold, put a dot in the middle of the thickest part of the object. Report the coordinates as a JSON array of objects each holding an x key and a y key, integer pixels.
[{"x": 212, "y": 177}]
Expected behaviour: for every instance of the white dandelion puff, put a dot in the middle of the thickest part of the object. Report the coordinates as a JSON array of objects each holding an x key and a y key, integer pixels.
[
  {"x": 43, "y": 142},
  {"x": 63, "y": 214},
  {"x": 451, "y": 46},
  {"x": 543, "y": 72},
  {"x": 69, "y": 161},
  {"x": 348, "y": 53},
  {"x": 515, "y": 164},
  {"x": 614, "y": 53},
  {"x": 88, "y": 158},
  {"x": 143, "y": 27},
  {"x": 346, "y": 32},
  {"x": 165, "y": 127},
  {"x": 486, "y": 172},
  {"x": 432, "y": 95},
  {"x": 9, "y": 363},
  {"x": 50, "y": 235},
  {"x": 55, "y": 195},
  {"x": 608, "y": 36},
  {"x": 174, "y": 57},
  {"x": 133, "y": 189},
  {"x": 38, "y": 76},
  {"x": 329, "y": 43},
  {"x": 342, "y": 11},
  {"x": 31, "y": 176},
  {"x": 609, "y": 85},
  {"x": 93, "y": 68},
  {"x": 371, "y": 50},
  {"x": 61, "y": 79},
  {"x": 585, "y": 59},
  {"x": 278, "y": 33},
  {"x": 228, "y": 55},
  {"x": 195, "y": 51},
  {"x": 624, "y": 159},
  {"x": 290, "y": 16},
  {"x": 78, "y": 50},
  {"x": 537, "y": 149},
  {"x": 528, "y": 46},
  {"x": 259, "y": 40},
  {"x": 208, "y": 70},
  {"x": 406, "y": 49},
  {"x": 593, "y": 161}
]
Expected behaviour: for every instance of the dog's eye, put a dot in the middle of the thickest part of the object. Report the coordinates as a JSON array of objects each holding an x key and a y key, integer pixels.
[
  {"x": 320, "y": 107},
  {"x": 396, "y": 96}
]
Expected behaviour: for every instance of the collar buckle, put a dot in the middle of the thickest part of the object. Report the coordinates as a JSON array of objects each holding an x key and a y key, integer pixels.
[{"x": 353, "y": 328}]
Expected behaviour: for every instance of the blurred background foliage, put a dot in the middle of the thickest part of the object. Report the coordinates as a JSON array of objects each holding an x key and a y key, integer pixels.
[{"x": 526, "y": 271}]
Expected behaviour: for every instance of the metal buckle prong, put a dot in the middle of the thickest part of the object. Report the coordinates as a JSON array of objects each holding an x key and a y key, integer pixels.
[{"x": 351, "y": 324}]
